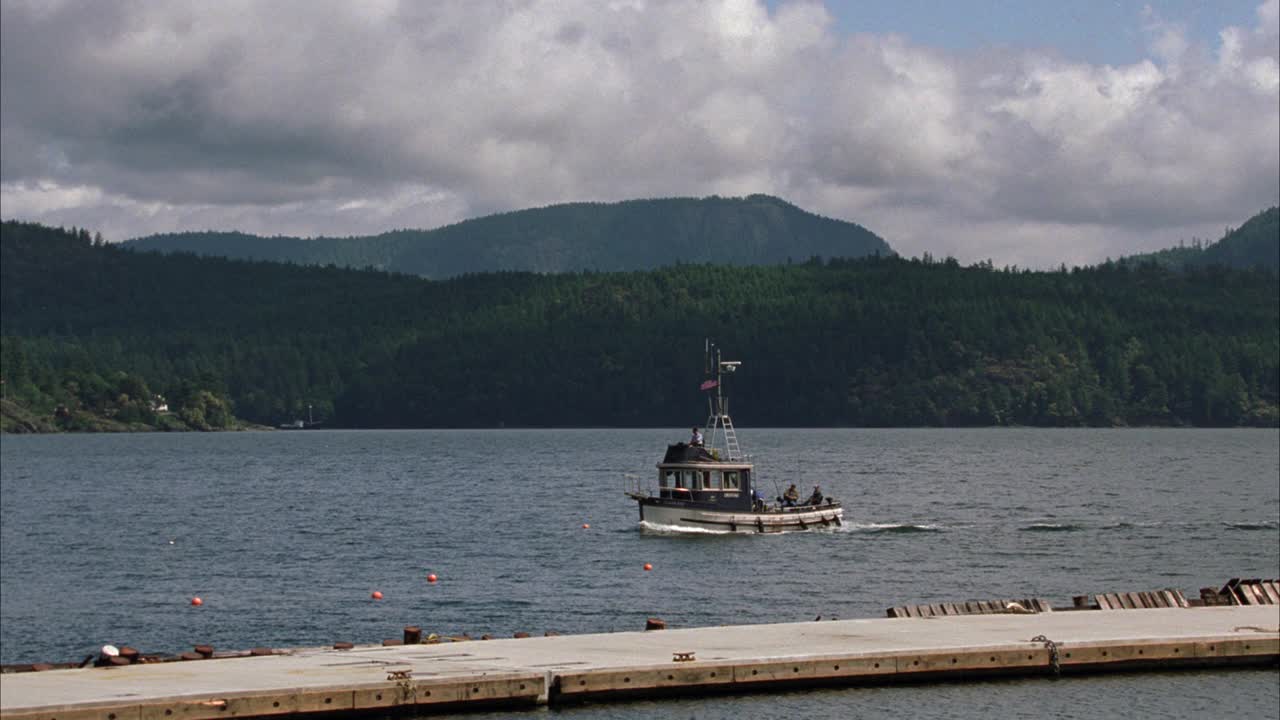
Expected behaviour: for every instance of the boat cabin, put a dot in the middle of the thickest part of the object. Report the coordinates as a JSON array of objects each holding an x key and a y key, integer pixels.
[{"x": 693, "y": 474}]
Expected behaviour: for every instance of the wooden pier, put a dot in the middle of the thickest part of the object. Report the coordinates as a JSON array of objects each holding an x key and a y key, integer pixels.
[{"x": 560, "y": 669}]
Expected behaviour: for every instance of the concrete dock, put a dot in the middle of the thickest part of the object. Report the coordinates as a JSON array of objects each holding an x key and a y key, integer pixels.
[{"x": 554, "y": 670}]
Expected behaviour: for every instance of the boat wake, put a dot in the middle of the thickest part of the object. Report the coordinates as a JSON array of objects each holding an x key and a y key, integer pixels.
[
  {"x": 1246, "y": 525},
  {"x": 653, "y": 528},
  {"x": 1051, "y": 527},
  {"x": 892, "y": 528}
]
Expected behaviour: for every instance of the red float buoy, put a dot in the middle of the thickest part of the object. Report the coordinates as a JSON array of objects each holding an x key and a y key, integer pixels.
[
  {"x": 647, "y": 566},
  {"x": 377, "y": 595},
  {"x": 431, "y": 577},
  {"x": 197, "y": 601},
  {"x": 586, "y": 526}
]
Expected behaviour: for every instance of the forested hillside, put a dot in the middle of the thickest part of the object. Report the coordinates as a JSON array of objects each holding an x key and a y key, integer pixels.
[
  {"x": 869, "y": 342},
  {"x": 633, "y": 235},
  {"x": 1254, "y": 244}
]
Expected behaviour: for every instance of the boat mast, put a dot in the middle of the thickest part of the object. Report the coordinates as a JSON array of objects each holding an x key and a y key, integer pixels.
[{"x": 718, "y": 422}]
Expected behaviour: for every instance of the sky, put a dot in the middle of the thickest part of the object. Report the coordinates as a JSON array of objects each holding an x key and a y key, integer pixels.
[{"x": 1029, "y": 133}]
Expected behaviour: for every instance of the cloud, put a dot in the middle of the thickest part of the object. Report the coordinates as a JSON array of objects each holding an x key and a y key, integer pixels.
[{"x": 339, "y": 118}]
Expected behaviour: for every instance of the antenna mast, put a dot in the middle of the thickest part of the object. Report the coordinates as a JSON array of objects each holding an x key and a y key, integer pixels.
[{"x": 718, "y": 422}]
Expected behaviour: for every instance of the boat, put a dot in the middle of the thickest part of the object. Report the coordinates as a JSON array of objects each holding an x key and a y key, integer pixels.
[
  {"x": 709, "y": 484},
  {"x": 308, "y": 424}
]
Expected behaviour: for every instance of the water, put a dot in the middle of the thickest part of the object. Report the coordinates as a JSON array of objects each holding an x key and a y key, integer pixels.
[{"x": 284, "y": 535}]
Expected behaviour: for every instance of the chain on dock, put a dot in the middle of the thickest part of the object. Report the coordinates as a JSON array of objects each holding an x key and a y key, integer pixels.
[{"x": 1053, "y": 653}]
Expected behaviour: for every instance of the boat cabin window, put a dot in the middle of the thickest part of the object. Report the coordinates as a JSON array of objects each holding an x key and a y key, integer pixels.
[
  {"x": 730, "y": 480},
  {"x": 677, "y": 483},
  {"x": 678, "y": 479}
]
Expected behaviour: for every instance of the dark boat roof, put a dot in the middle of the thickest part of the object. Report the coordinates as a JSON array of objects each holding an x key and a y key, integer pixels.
[{"x": 686, "y": 453}]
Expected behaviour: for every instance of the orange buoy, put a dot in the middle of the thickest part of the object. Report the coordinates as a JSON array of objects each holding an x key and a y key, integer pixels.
[
  {"x": 377, "y": 595},
  {"x": 197, "y": 601},
  {"x": 586, "y": 526},
  {"x": 647, "y": 566},
  {"x": 431, "y": 577}
]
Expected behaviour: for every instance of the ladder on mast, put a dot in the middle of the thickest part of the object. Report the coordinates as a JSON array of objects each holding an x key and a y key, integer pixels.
[
  {"x": 721, "y": 422},
  {"x": 731, "y": 439}
]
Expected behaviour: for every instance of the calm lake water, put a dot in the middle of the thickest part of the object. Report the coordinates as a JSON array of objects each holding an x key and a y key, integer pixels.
[{"x": 105, "y": 538}]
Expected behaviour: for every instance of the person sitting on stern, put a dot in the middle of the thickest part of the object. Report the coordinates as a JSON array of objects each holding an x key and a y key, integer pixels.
[{"x": 815, "y": 498}]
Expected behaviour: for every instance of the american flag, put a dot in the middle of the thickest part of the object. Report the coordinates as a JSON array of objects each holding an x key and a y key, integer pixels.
[{"x": 708, "y": 384}]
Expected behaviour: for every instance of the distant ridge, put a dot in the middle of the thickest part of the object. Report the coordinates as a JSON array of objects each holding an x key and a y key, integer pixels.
[
  {"x": 623, "y": 236},
  {"x": 1255, "y": 244}
]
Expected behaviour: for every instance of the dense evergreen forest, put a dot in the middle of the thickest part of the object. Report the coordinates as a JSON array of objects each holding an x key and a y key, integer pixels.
[
  {"x": 93, "y": 330},
  {"x": 631, "y": 235}
]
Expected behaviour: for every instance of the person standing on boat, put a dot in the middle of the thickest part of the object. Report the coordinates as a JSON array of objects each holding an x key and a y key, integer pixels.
[
  {"x": 791, "y": 496},
  {"x": 696, "y": 440}
]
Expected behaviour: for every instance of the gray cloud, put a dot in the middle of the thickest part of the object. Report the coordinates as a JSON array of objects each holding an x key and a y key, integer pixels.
[{"x": 342, "y": 118}]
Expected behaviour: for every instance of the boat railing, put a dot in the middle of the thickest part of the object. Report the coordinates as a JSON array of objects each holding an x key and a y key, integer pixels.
[
  {"x": 634, "y": 486},
  {"x": 637, "y": 487},
  {"x": 827, "y": 503}
]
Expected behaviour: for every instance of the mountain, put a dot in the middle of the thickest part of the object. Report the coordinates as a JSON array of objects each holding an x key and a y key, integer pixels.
[
  {"x": 91, "y": 331},
  {"x": 631, "y": 235},
  {"x": 1255, "y": 244}
]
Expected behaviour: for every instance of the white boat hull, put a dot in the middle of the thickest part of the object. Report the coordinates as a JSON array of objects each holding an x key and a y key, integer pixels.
[{"x": 814, "y": 518}]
